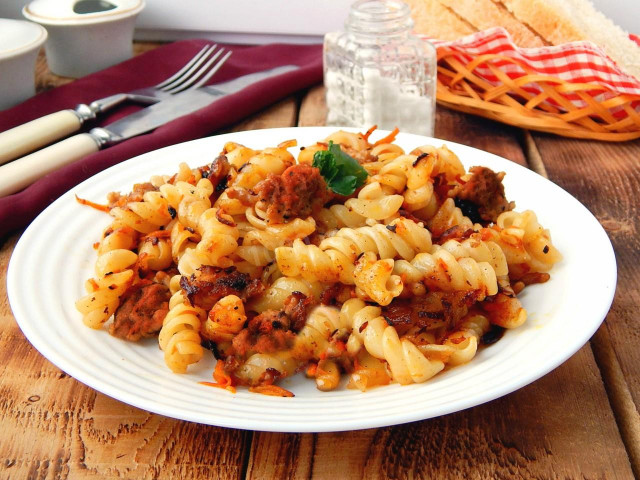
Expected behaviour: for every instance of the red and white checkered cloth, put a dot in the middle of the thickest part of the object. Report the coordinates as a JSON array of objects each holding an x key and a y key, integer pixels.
[{"x": 575, "y": 62}]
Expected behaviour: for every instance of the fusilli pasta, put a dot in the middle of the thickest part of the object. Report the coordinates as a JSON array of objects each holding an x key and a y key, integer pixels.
[{"x": 277, "y": 265}]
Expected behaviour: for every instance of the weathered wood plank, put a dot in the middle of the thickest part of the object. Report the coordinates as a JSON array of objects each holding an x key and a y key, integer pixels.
[
  {"x": 313, "y": 108},
  {"x": 282, "y": 114},
  {"x": 606, "y": 179}
]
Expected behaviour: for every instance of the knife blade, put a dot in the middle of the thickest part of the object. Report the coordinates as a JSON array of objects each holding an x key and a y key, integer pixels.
[
  {"x": 179, "y": 105},
  {"x": 22, "y": 172}
]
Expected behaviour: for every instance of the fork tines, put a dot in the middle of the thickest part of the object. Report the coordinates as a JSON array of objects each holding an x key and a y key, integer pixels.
[{"x": 197, "y": 71}]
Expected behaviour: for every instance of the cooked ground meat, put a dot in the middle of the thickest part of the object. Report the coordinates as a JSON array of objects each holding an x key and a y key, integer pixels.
[
  {"x": 482, "y": 198},
  {"x": 218, "y": 175},
  {"x": 298, "y": 192},
  {"x": 362, "y": 156},
  {"x": 435, "y": 309},
  {"x": 246, "y": 197},
  {"x": 266, "y": 333},
  {"x": 296, "y": 307},
  {"x": 271, "y": 331},
  {"x": 456, "y": 232},
  {"x": 209, "y": 284},
  {"x": 336, "y": 294},
  {"x": 139, "y": 189},
  {"x": 141, "y": 312},
  {"x": 254, "y": 289}
]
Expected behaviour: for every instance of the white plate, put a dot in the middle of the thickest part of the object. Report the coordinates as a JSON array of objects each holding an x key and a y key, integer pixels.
[{"x": 55, "y": 256}]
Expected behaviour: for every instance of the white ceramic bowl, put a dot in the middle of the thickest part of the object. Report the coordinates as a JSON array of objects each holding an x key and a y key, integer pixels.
[
  {"x": 85, "y": 35},
  {"x": 20, "y": 42}
]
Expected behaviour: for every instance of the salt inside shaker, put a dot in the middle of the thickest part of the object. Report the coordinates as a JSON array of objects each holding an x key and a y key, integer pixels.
[{"x": 377, "y": 72}]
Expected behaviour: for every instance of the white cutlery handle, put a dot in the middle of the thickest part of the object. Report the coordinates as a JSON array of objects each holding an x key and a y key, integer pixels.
[
  {"x": 30, "y": 136},
  {"x": 24, "y": 171}
]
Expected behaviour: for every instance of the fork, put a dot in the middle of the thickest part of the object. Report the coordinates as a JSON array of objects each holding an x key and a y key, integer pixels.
[{"x": 30, "y": 136}]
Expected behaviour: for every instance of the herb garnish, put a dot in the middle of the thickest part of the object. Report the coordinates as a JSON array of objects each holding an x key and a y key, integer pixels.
[{"x": 342, "y": 173}]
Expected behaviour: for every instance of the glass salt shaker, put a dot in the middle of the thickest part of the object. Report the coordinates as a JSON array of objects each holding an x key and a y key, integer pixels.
[{"x": 377, "y": 72}]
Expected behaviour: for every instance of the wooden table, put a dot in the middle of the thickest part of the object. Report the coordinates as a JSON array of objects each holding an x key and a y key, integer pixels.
[{"x": 579, "y": 421}]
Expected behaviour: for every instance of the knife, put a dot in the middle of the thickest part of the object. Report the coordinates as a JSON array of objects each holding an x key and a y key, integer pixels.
[{"x": 22, "y": 172}]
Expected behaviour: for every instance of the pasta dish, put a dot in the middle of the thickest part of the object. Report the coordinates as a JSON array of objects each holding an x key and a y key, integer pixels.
[{"x": 352, "y": 259}]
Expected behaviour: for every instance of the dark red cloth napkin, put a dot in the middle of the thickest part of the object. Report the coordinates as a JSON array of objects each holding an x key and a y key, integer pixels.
[{"x": 18, "y": 210}]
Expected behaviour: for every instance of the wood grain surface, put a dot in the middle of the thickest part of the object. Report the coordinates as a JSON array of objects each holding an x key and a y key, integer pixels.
[{"x": 579, "y": 421}]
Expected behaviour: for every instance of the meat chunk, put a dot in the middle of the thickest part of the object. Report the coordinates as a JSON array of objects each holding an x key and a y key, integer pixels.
[
  {"x": 209, "y": 284},
  {"x": 139, "y": 189},
  {"x": 296, "y": 307},
  {"x": 266, "y": 333},
  {"x": 141, "y": 312},
  {"x": 430, "y": 311},
  {"x": 298, "y": 192},
  {"x": 457, "y": 232},
  {"x": 482, "y": 198},
  {"x": 218, "y": 175},
  {"x": 271, "y": 331}
]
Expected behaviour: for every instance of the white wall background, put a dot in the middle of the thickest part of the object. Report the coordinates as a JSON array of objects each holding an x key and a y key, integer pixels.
[{"x": 625, "y": 13}]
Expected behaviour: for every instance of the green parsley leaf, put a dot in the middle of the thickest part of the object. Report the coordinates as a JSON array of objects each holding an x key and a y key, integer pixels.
[{"x": 343, "y": 174}]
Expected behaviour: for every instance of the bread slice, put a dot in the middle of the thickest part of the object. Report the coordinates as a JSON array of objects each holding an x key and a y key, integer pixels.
[
  {"x": 434, "y": 20},
  {"x": 483, "y": 14},
  {"x": 562, "y": 21}
]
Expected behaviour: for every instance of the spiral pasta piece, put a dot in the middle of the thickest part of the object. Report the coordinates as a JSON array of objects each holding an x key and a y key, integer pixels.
[
  {"x": 260, "y": 165},
  {"x": 371, "y": 331},
  {"x": 273, "y": 298},
  {"x": 445, "y": 217},
  {"x": 334, "y": 260},
  {"x": 442, "y": 271},
  {"x": 480, "y": 251},
  {"x": 393, "y": 174},
  {"x": 179, "y": 337},
  {"x": 443, "y": 161},
  {"x": 155, "y": 253},
  {"x": 314, "y": 265},
  {"x": 226, "y": 318},
  {"x": 348, "y": 140},
  {"x": 272, "y": 236},
  {"x": 181, "y": 238},
  {"x": 338, "y": 216},
  {"x": 312, "y": 341},
  {"x": 188, "y": 201},
  {"x": 219, "y": 239},
  {"x": 373, "y": 203},
  {"x": 524, "y": 241},
  {"x": 401, "y": 238},
  {"x": 146, "y": 216},
  {"x": 113, "y": 277},
  {"x": 117, "y": 236},
  {"x": 373, "y": 279},
  {"x": 461, "y": 345}
]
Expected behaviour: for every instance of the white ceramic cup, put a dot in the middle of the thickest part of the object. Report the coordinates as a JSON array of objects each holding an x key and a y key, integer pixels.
[
  {"x": 20, "y": 42},
  {"x": 80, "y": 43}
]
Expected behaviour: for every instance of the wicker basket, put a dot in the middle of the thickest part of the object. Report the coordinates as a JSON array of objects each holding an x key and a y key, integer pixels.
[{"x": 460, "y": 87}]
